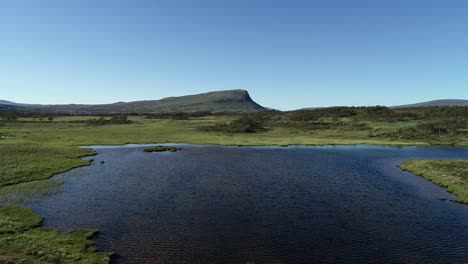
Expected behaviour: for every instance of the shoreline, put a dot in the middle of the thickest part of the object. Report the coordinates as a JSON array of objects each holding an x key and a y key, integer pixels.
[{"x": 448, "y": 174}]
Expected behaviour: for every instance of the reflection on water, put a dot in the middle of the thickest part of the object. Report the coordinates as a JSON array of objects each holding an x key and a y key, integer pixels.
[{"x": 211, "y": 204}]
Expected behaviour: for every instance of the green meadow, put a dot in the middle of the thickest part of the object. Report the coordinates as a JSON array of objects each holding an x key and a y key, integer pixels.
[
  {"x": 450, "y": 174},
  {"x": 23, "y": 241}
]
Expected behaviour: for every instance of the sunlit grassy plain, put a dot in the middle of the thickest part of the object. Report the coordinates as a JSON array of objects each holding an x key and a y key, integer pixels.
[
  {"x": 29, "y": 191},
  {"x": 450, "y": 174},
  {"x": 23, "y": 241},
  {"x": 32, "y": 150}
]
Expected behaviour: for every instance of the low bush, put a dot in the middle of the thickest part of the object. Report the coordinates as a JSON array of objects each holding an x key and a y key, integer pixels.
[
  {"x": 449, "y": 127},
  {"x": 315, "y": 114},
  {"x": 114, "y": 120},
  {"x": 244, "y": 124}
]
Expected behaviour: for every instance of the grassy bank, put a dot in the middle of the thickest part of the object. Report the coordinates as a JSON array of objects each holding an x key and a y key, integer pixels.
[
  {"x": 29, "y": 160},
  {"x": 450, "y": 174},
  {"x": 23, "y": 241},
  {"x": 29, "y": 191}
]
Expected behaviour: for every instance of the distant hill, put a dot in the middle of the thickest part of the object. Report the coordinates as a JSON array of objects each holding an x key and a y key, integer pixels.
[
  {"x": 444, "y": 102},
  {"x": 5, "y": 102},
  {"x": 220, "y": 101}
]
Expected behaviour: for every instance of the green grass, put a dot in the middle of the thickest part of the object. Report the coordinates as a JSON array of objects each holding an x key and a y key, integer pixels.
[
  {"x": 22, "y": 241},
  {"x": 29, "y": 191},
  {"x": 29, "y": 161},
  {"x": 450, "y": 174},
  {"x": 15, "y": 219},
  {"x": 161, "y": 149}
]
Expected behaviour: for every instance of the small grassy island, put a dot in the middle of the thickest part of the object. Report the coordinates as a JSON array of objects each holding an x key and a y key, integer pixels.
[
  {"x": 162, "y": 149},
  {"x": 23, "y": 241},
  {"x": 450, "y": 174}
]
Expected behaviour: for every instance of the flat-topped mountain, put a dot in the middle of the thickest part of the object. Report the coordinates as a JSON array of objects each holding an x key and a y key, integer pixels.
[
  {"x": 219, "y": 101},
  {"x": 443, "y": 102}
]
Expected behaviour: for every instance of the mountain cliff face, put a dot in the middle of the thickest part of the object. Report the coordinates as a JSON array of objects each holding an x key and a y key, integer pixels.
[
  {"x": 220, "y": 101},
  {"x": 443, "y": 102}
]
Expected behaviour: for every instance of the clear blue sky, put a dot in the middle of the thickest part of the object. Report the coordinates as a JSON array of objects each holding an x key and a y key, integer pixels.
[{"x": 288, "y": 54}]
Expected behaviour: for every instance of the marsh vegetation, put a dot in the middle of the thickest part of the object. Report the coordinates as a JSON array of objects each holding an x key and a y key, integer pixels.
[
  {"x": 34, "y": 147},
  {"x": 162, "y": 149},
  {"x": 29, "y": 191},
  {"x": 450, "y": 174},
  {"x": 23, "y": 241}
]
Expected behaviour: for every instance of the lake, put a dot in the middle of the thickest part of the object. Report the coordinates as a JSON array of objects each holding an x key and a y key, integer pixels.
[{"x": 213, "y": 204}]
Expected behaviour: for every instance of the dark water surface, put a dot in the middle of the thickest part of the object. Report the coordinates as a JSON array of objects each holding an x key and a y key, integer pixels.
[{"x": 211, "y": 204}]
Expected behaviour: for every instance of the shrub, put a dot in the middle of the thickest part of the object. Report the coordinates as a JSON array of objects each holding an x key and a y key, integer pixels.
[
  {"x": 118, "y": 119},
  {"x": 244, "y": 124},
  {"x": 315, "y": 114},
  {"x": 449, "y": 127}
]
